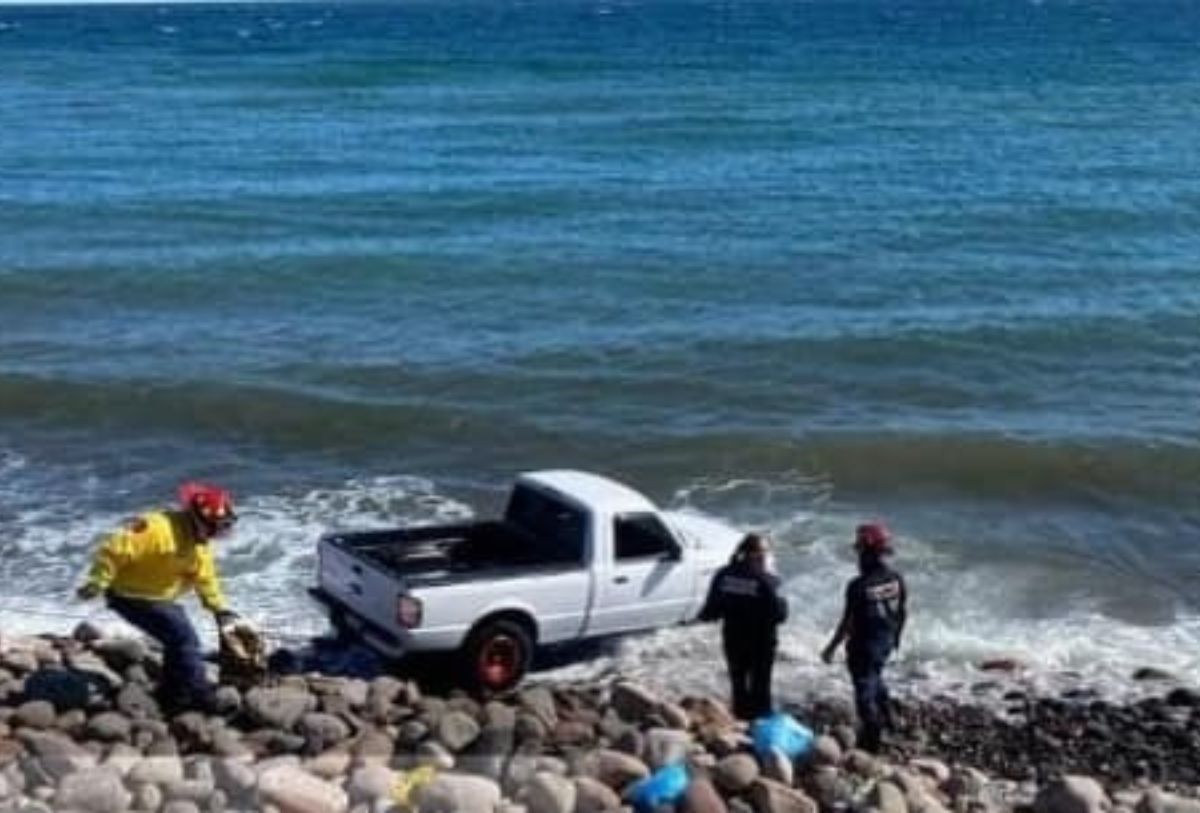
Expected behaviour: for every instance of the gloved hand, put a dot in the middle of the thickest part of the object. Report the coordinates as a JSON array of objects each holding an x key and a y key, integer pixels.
[{"x": 87, "y": 592}]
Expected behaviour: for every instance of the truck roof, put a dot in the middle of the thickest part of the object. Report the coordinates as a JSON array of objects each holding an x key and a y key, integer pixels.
[{"x": 594, "y": 490}]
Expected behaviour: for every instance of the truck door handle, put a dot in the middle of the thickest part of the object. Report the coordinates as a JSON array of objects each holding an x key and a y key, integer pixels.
[{"x": 621, "y": 579}]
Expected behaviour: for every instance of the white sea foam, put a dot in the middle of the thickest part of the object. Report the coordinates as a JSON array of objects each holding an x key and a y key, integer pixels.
[{"x": 960, "y": 616}]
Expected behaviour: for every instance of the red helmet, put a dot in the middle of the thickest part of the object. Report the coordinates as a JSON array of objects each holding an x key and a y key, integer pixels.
[
  {"x": 211, "y": 505},
  {"x": 873, "y": 537}
]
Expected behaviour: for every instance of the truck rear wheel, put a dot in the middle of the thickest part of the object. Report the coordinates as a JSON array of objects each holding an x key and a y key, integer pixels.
[{"x": 497, "y": 655}]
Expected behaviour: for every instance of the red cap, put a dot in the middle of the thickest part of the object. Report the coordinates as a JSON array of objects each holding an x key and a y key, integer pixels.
[{"x": 873, "y": 537}]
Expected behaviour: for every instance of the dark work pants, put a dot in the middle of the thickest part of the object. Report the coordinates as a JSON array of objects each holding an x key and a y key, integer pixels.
[
  {"x": 750, "y": 664},
  {"x": 870, "y": 692},
  {"x": 183, "y": 681}
]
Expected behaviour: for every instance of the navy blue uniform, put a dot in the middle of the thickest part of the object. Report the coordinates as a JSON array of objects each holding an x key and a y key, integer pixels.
[
  {"x": 875, "y": 615},
  {"x": 747, "y": 602}
]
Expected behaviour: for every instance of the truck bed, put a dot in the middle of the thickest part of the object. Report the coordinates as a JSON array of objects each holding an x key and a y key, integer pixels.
[{"x": 440, "y": 551}]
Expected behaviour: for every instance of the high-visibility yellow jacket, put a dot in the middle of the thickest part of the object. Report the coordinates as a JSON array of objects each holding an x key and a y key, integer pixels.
[{"x": 157, "y": 556}]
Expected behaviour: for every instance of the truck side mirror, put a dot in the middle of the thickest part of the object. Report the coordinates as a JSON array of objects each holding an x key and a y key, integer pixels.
[{"x": 674, "y": 552}]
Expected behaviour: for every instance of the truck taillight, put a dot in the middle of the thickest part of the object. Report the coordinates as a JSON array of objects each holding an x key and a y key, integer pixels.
[{"x": 408, "y": 612}]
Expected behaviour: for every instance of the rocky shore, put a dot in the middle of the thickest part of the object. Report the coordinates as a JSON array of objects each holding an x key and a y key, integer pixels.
[{"x": 80, "y": 731}]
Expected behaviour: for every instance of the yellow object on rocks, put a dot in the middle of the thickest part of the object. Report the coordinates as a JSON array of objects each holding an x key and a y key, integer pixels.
[
  {"x": 242, "y": 657},
  {"x": 407, "y": 783}
]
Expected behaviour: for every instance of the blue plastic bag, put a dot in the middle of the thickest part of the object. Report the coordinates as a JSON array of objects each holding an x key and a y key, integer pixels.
[
  {"x": 663, "y": 787},
  {"x": 780, "y": 732}
]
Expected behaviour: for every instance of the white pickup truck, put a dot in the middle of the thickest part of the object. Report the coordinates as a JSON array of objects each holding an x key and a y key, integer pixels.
[{"x": 575, "y": 556}]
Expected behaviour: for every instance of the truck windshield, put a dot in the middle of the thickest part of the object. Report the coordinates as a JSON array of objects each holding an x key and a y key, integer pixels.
[{"x": 559, "y": 528}]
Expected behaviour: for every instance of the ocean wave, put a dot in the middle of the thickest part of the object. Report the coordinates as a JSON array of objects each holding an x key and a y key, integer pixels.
[{"x": 480, "y": 417}]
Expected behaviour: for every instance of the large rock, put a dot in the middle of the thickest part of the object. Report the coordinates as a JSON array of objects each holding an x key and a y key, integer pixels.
[
  {"x": 826, "y": 785},
  {"x": 57, "y": 754},
  {"x": 539, "y": 702},
  {"x": 768, "y": 796},
  {"x": 491, "y": 749},
  {"x": 456, "y": 730},
  {"x": 193, "y": 730},
  {"x": 121, "y": 653},
  {"x": 1071, "y": 794},
  {"x": 701, "y": 797},
  {"x": 862, "y": 764},
  {"x": 38, "y": 714},
  {"x": 674, "y": 715},
  {"x": 384, "y": 693},
  {"x": 134, "y": 701},
  {"x": 293, "y": 790},
  {"x": 886, "y": 797},
  {"x": 227, "y": 700},
  {"x": 234, "y": 776},
  {"x": 86, "y": 632},
  {"x": 613, "y": 768},
  {"x": 634, "y": 703},
  {"x": 198, "y": 790},
  {"x": 736, "y": 772},
  {"x": 323, "y": 730},
  {"x": 371, "y": 782},
  {"x": 121, "y": 758},
  {"x": 95, "y": 671},
  {"x": 227, "y": 742},
  {"x": 351, "y": 692},
  {"x": 826, "y": 751},
  {"x": 19, "y": 660},
  {"x": 593, "y": 796},
  {"x": 966, "y": 783},
  {"x": 935, "y": 769},
  {"x": 550, "y": 793},
  {"x": 147, "y": 798},
  {"x": 1156, "y": 801},
  {"x": 778, "y": 767},
  {"x": 330, "y": 764},
  {"x": 109, "y": 726},
  {"x": 157, "y": 770},
  {"x": 373, "y": 745},
  {"x": 95, "y": 791},
  {"x": 709, "y": 716},
  {"x": 457, "y": 793},
  {"x": 279, "y": 708}
]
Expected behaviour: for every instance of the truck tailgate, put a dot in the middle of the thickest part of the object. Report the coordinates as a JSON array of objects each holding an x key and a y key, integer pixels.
[{"x": 363, "y": 587}]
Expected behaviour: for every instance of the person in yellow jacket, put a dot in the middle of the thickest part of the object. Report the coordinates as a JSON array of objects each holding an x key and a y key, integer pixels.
[{"x": 143, "y": 568}]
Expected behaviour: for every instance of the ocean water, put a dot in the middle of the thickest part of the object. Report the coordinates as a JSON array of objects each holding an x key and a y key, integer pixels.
[{"x": 790, "y": 264}]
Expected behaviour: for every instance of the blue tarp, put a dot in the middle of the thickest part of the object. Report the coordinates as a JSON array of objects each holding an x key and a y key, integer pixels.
[
  {"x": 780, "y": 732},
  {"x": 663, "y": 787}
]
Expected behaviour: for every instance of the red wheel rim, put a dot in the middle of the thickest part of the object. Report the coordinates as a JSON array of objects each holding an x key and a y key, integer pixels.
[{"x": 499, "y": 659}]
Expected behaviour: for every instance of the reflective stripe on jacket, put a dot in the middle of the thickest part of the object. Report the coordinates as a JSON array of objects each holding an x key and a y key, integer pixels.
[{"x": 157, "y": 557}]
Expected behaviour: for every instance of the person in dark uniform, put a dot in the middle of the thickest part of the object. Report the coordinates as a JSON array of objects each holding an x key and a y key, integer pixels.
[
  {"x": 744, "y": 596},
  {"x": 871, "y": 626}
]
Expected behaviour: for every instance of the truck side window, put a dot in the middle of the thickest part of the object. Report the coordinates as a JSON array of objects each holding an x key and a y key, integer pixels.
[
  {"x": 638, "y": 536},
  {"x": 560, "y": 528}
]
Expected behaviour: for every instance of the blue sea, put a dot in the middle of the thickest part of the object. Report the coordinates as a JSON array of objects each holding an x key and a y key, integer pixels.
[{"x": 788, "y": 263}]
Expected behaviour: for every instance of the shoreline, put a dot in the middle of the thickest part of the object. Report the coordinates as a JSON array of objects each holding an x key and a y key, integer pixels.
[{"x": 80, "y": 730}]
